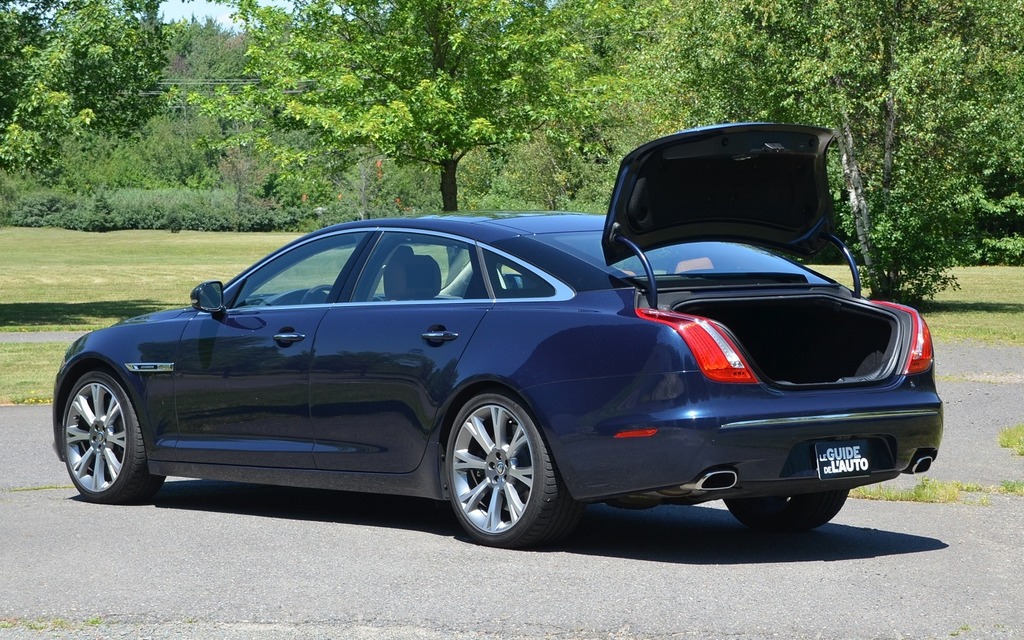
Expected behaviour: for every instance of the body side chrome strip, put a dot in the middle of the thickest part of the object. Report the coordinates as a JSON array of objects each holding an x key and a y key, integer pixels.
[{"x": 833, "y": 417}]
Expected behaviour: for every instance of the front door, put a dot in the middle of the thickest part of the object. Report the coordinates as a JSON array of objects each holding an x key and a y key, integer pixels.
[{"x": 241, "y": 378}]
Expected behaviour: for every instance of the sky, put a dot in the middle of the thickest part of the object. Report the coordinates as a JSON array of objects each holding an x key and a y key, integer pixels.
[{"x": 174, "y": 10}]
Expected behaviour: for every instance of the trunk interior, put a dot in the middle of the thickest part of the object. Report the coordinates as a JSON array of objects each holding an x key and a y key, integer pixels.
[{"x": 807, "y": 340}]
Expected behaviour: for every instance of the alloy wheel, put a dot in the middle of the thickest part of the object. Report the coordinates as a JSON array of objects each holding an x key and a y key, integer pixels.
[
  {"x": 492, "y": 468},
  {"x": 95, "y": 437}
]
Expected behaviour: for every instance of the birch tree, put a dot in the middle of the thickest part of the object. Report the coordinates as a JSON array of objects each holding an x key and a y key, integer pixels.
[{"x": 909, "y": 85}]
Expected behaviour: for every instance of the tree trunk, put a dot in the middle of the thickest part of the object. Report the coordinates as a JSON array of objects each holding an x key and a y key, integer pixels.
[
  {"x": 449, "y": 186},
  {"x": 364, "y": 190},
  {"x": 858, "y": 201},
  {"x": 890, "y": 145}
]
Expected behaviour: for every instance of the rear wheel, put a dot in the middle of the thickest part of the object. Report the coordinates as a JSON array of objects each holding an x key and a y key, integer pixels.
[
  {"x": 504, "y": 486},
  {"x": 796, "y": 513},
  {"x": 103, "y": 446}
]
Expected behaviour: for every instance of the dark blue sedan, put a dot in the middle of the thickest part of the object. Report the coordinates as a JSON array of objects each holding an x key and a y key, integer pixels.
[{"x": 521, "y": 366}]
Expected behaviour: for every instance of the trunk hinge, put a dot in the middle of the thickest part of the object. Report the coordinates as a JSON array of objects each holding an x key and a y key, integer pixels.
[
  {"x": 850, "y": 261},
  {"x": 652, "y": 285}
]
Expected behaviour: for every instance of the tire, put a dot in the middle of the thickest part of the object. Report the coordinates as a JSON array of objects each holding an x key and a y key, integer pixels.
[
  {"x": 503, "y": 484},
  {"x": 797, "y": 513},
  {"x": 103, "y": 447}
]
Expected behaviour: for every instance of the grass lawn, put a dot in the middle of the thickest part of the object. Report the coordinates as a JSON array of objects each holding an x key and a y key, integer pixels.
[
  {"x": 54, "y": 280},
  {"x": 57, "y": 280},
  {"x": 27, "y": 371},
  {"x": 988, "y": 306}
]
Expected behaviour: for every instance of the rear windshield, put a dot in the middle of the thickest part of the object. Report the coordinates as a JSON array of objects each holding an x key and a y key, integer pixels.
[{"x": 700, "y": 260}]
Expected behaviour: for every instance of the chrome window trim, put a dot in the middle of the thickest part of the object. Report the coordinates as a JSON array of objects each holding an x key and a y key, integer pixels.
[
  {"x": 832, "y": 418},
  {"x": 391, "y": 303},
  {"x": 257, "y": 309},
  {"x": 563, "y": 292}
]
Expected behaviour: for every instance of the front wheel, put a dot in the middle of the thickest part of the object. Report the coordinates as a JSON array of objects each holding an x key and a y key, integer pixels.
[
  {"x": 103, "y": 446},
  {"x": 504, "y": 486},
  {"x": 796, "y": 513}
]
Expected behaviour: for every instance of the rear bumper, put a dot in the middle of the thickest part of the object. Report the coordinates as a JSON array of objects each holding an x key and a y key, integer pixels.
[{"x": 766, "y": 437}]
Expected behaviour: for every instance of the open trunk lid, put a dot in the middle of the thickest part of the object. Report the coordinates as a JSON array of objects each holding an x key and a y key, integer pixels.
[{"x": 763, "y": 184}]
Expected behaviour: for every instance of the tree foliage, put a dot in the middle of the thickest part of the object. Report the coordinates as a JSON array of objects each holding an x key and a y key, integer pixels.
[
  {"x": 70, "y": 65},
  {"x": 906, "y": 83},
  {"x": 422, "y": 81},
  {"x": 333, "y": 109}
]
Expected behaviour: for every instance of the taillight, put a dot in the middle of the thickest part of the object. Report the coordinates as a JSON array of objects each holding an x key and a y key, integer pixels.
[
  {"x": 921, "y": 339},
  {"x": 716, "y": 355}
]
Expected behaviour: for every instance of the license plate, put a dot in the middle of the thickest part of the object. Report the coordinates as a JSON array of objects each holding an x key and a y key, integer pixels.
[{"x": 846, "y": 459}]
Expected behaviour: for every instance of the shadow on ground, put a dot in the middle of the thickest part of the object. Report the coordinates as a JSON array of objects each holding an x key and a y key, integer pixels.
[
  {"x": 29, "y": 314},
  {"x": 705, "y": 535},
  {"x": 951, "y": 306},
  {"x": 683, "y": 535}
]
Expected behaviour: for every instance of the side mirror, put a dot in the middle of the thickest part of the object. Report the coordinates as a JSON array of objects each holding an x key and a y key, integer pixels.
[{"x": 209, "y": 297}]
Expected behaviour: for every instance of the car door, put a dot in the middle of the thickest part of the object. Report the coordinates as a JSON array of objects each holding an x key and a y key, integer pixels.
[
  {"x": 387, "y": 359},
  {"x": 241, "y": 380}
]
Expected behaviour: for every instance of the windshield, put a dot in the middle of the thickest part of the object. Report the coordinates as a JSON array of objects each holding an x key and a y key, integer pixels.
[{"x": 699, "y": 260}]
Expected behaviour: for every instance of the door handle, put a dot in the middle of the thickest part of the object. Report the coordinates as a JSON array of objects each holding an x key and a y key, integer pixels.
[
  {"x": 443, "y": 335},
  {"x": 289, "y": 338}
]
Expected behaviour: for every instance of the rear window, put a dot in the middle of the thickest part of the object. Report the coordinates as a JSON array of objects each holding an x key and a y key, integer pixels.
[{"x": 697, "y": 259}]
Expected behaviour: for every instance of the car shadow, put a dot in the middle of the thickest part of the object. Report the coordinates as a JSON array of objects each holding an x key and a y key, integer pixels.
[
  {"x": 681, "y": 535},
  {"x": 704, "y": 535},
  {"x": 314, "y": 505}
]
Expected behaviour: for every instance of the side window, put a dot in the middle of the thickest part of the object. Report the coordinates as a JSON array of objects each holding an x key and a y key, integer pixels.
[
  {"x": 305, "y": 275},
  {"x": 510, "y": 280},
  {"x": 412, "y": 266}
]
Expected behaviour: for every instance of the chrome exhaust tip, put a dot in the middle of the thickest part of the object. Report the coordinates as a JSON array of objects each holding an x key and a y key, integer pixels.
[
  {"x": 717, "y": 480},
  {"x": 922, "y": 464},
  {"x": 922, "y": 460}
]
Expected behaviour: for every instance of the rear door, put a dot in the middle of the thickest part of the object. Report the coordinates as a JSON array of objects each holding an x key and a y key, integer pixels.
[{"x": 386, "y": 360}]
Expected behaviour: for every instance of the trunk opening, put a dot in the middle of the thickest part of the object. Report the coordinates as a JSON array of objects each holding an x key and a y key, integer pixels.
[{"x": 807, "y": 340}]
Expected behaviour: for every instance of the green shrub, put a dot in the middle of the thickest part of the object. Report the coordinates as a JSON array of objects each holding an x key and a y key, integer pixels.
[
  {"x": 1007, "y": 251},
  {"x": 45, "y": 208}
]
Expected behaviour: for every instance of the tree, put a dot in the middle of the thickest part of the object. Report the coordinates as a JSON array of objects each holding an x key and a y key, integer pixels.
[
  {"x": 907, "y": 84},
  {"x": 70, "y": 65},
  {"x": 421, "y": 81}
]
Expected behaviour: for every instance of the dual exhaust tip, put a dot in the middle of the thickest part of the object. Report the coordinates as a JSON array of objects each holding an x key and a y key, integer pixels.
[
  {"x": 716, "y": 480},
  {"x": 922, "y": 464},
  {"x": 721, "y": 479},
  {"x": 922, "y": 461}
]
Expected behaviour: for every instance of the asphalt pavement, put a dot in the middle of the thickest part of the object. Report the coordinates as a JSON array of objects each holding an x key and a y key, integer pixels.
[{"x": 221, "y": 560}]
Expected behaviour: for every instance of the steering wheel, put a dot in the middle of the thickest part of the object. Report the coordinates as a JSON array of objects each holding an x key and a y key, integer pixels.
[{"x": 317, "y": 295}]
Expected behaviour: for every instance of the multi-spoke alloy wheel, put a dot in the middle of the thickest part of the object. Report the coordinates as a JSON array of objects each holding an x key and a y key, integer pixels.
[
  {"x": 503, "y": 484},
  {"x": 103, "y": 443}
]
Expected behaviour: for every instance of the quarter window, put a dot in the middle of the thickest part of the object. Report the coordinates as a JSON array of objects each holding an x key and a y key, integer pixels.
[{"x": 511, "y": 280}]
